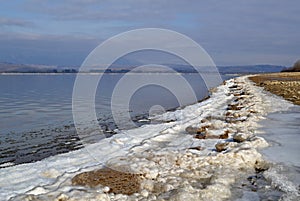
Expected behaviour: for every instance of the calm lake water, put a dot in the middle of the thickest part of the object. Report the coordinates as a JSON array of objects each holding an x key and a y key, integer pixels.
[{"x": 36, "y": 112}]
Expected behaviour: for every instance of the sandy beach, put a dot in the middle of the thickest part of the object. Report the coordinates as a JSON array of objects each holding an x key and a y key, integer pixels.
[{"x": 206, "y": 151}]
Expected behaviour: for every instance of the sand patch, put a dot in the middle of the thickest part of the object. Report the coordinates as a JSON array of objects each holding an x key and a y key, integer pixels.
[
  {"x": 118, "y": 182},
  {"x": 286, "y": 85}
]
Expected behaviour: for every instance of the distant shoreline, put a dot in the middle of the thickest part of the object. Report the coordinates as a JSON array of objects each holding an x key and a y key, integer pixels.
[
  {"x": 112, "y": 73},
  {"x": 38, "y": 73},
  {"x": 132, "y": 73}
]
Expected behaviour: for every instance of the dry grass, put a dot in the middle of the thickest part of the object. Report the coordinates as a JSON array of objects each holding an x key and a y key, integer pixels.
[{"x": 286, "y": 85}]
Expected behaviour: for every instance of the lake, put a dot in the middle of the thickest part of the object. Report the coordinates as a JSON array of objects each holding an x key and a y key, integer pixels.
[{"x": 36, "y": 112}]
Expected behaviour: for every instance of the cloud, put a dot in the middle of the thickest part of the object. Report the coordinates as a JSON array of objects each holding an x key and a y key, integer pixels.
[
  {"x": 232, "y": 31},
  {"x": 45, "y": 49},
  {"x": 15, "y": 22},
  {"x": 136, "y": 10}
]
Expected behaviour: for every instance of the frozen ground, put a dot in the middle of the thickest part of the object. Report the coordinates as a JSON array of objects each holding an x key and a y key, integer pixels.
[
  {"x": 161, "y": 152},
  {"x": 283, "y": 131}
]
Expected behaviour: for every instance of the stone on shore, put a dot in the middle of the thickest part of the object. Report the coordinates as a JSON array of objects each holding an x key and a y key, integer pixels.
[
  {"x": 196, "y": 130},
  {"x": 240, "y": 137},
  {"x": 261, "y": 166},
  {"x": 221, "y": 146}
]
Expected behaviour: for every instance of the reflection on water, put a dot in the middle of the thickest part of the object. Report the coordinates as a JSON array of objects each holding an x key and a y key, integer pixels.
[{"x": 36, "y": 112}]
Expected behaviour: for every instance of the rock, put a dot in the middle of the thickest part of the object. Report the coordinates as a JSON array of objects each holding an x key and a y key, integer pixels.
[
  {"x": 212, "y": 137},
  {"x": 62, "y": 197},
  {"x": 225, "y": 135},
  {"x": 200, "y": 136},
  {"x": 239, "y": 98},
  {"x": 204, "y": 128},
  {"x": 236, "y": 115},
  {"x": 261, "y": 166},
  {"x": 233, "y": 86},
  {"x": 191, "y": 130},
  {"x": 198, "y": 148},
  {"x": 204, "y": 120},
  {"x": 221, "y": 146},
  {"x": 196, "y": 130},
  {"x": 234, "y": 107},
  {"x": 106, "y": 189},
  {"x": 144, "y": 193},
  {"x": 241, "y": 94},
  {"x": 240, "y": 137},
  {"x": 252, "y": 111},
  {"x": 228, "y": 114},
  {"x": 253, "y": 180},
  {"x": 209, "y": 136}
]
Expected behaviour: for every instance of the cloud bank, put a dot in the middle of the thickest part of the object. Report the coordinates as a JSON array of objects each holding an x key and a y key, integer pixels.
[{"x": 233, "y": 32}]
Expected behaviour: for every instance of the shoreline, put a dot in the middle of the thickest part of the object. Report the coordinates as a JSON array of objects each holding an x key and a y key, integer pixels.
[{"x": 178, "y": 163}]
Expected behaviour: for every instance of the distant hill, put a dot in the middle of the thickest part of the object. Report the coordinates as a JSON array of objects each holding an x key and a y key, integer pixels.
[
  {"x": 247, "y": 69},
  {"x": 11, "y": 67},
  {"x": 250, "y": 69},
  {"x": 123, "y": 67},
  {"x": 6, "y": 67}
]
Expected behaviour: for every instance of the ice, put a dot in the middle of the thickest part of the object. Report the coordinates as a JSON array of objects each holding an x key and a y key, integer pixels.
[
  {"x": 283, "y": 178},
  {"x": 3, "y": 165},
  {"x": 249, "y": 196},
  {"x": 283, "y": 131}
]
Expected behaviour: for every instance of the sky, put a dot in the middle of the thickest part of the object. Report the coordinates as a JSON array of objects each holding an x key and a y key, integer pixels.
[{"x": 233, "y": 32}]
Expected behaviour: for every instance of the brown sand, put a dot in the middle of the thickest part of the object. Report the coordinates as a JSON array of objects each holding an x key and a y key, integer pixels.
[
  {"x": 286, "y": 85},
  {"x": 118, "y": 182}
]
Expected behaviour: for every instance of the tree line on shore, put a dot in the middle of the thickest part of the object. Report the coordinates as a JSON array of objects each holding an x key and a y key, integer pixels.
[{"x": 294, "y": 68}]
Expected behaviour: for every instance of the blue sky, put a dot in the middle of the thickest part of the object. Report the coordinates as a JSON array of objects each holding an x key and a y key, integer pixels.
[{"x": 233, "y": 32}]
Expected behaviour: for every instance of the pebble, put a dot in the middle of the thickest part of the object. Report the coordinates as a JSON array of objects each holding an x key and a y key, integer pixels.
[
  {"x": 106, "y": 189},
  {"x": 61, "y": 197},
  {"x": 221, "y": 146},
  {"x": 144, "y": 193},
  {"x": 261, "y": 166},
  {"x": 240, "y": 137}
]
